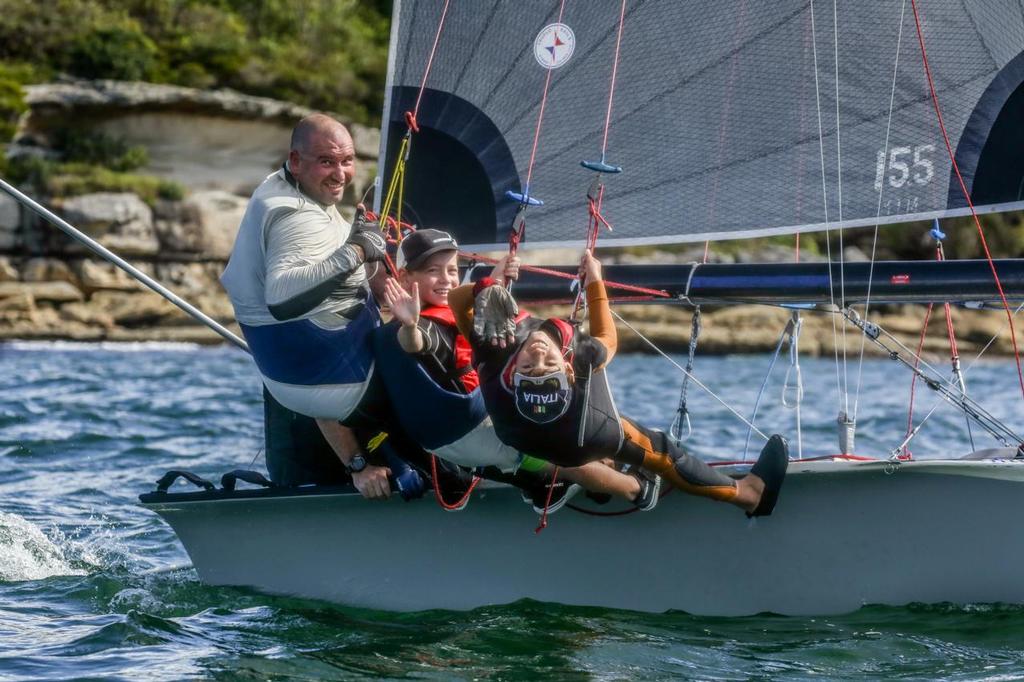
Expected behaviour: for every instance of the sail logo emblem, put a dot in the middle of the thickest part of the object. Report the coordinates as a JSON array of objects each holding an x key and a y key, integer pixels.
[{"x": 554, "y": 45}]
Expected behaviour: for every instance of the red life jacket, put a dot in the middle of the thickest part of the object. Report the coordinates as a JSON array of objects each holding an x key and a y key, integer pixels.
[{"x": 463, "y": 353}]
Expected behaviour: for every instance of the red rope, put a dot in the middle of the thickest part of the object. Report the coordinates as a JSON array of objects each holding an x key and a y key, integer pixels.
[
  {"x": 615, "y": 70},
  {"x": 954, "y": 353},
  {"x": 437, "y": 488},
  {"x": 540, "y": 115},
  {"x": 517, "y": 235},
  {"x": 547, "y": 503},
  {"x": 430, "y": 62},
  {"x": 917, "y": 363},
  {"x": 565, "y": 275},
  {"x": 967, "y": 195}
]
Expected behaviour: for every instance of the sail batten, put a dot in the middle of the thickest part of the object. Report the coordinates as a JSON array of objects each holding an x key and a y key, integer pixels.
[{"x": 716, "y": 116}]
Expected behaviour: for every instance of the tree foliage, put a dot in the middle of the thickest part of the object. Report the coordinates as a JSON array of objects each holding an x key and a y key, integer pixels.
[{"x": 325, "y": 54}]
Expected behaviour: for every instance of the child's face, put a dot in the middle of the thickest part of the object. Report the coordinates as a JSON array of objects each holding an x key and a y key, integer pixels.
[
  {"x": 539, "y": 355},
  {"x": 436, "y": 277}
]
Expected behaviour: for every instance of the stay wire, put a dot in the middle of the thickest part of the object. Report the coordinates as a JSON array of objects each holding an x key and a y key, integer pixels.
[
  {"x": 940, "y": 401},
  {"x": 878, "y": 209},
  {"x": 764, "y": 385},
  {"x": 839, "y": 194},
  {"x": 824, "y": 193},
  {"x": 693, "y": 378}
]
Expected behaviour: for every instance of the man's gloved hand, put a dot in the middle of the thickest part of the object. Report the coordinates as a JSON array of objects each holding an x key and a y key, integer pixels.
[
  {"x": 494, "y": 316},
  {"x": 366, "y": 235}
]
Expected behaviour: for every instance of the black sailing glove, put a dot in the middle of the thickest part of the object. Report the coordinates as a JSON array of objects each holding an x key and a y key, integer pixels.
[{"x": 366, "y": 235}]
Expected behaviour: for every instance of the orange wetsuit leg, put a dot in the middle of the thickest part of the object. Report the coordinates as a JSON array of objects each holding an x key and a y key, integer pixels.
[{"x": 683, "y": 471}]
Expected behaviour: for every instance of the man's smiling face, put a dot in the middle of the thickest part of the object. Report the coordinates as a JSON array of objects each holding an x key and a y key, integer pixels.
[{"x": 324, "y": 165}]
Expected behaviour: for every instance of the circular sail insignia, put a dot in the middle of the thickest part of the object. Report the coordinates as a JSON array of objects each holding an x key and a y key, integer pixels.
[{"x": 554, "y": 45}]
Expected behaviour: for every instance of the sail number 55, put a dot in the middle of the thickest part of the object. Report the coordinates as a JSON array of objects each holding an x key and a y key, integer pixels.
[{"x": 906, "y": 164}]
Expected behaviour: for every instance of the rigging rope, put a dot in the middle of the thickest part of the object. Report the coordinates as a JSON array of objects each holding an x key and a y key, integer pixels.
[
  {"x": 824, "y": 193},
  {"x": 693, "y": 378},
  {"x": 682, "y": 412},
  {"x": 958, "y": 377},
  {"x": 595, "y": 194},
  {"x": 839, "y": 196},
  {"x": 450, "y": 506},
  {"x": 798, "y": 387},
  {"x": 519, "y": 222},
  {"x": 647, "y": 292},
  {"x": 967, "y": 195},
  {"x": 764, "y": 384},
  {"x": 913, "y": 378},
  {"x": 393, "y": 198},
  {"x": 878, "y": 209}
]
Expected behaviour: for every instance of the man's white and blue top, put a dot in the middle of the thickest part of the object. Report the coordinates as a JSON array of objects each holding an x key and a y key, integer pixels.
[{"x": 301, "y": 298}]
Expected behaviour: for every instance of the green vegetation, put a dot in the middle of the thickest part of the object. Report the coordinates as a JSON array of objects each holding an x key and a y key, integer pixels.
[
  {"x": 325, "y": 54},
  {"x": 100, "y": 149},
  {"x": 12, "y": 98},
  {"x": 72, "y": 178}
]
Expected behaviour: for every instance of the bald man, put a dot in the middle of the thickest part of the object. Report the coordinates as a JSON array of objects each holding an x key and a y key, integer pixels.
[{"x": 299, "y": 289}]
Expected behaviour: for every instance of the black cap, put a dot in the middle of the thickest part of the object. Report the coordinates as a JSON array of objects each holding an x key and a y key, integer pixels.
[{"x": 421, "y": 244}]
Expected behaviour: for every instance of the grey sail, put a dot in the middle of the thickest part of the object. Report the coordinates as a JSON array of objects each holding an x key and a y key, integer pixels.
[{"x": 730, "y": 119}]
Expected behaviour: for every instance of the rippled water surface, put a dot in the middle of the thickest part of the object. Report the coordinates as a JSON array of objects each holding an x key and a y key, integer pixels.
[{"x": 93, "y": 586}]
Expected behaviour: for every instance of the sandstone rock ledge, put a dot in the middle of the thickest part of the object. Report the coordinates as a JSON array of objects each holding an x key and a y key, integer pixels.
[{"x": 87, "y": 300}]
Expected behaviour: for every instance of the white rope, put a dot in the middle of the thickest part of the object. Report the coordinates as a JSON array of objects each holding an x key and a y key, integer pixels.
[
  {"x": 764, "y": 384},
  {"x": 691, "y": 376},
  {"x": 798, "y": 387},
  {"x": 839, "y": 194},
  {"x": 824, "y": 194},
  {"x": 878, "y": 210}
]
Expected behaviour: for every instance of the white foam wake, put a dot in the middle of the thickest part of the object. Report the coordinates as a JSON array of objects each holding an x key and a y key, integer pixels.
[{"x": 27, "y": 554}]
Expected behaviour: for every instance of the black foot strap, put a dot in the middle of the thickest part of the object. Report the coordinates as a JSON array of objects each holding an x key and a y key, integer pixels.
[
  {"x": 228, "y": 480},
  {"x": 168, "y": 479}
]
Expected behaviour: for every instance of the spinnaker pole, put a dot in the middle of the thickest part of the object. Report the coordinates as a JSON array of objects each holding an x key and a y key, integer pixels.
[{"x": 112, "y": 257}]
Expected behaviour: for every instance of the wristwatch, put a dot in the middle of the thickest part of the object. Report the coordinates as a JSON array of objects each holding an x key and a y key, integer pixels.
[{"x": 356, "y": 464}]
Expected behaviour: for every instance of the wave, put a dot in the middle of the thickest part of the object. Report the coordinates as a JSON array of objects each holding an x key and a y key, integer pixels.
[{"x": 27, "y": 554}]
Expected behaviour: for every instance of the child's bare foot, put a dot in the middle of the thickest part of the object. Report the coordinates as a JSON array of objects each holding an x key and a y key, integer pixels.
[{"x": 749, "y": 491}]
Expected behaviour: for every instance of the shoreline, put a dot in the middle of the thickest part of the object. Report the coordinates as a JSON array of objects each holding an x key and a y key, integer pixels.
[{"x": 738, "y": 330}]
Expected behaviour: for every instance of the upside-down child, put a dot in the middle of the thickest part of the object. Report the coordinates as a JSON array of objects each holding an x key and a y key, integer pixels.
[
  {"x": 426, "y": 367},
  {"x": 545, "y": 387}
]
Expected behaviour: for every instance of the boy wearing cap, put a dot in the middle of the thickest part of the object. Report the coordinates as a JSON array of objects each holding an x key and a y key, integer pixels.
[
  {"x": 457, "y": 428},
  {"x": 545, "y": 387}
]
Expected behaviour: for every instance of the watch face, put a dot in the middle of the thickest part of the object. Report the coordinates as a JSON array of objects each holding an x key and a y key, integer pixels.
[{"x": 357, "y": 464}]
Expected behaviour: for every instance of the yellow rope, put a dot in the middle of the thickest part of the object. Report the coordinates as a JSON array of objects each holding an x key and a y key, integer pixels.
[{"x": 396, "y": 189}]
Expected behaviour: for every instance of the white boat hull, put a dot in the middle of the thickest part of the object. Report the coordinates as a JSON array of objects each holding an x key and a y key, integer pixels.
[{"x": 844, "y": 534}]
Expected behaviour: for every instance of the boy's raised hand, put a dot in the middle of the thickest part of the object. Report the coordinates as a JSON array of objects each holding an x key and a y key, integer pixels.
[
  {"x": 404, "y": 306},
  {"x": 506, "y": 269},
  {"x": 590, "y": 268}
]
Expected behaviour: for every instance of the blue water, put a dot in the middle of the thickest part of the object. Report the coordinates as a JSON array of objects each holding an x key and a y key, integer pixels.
[{"x": 94, "y": 587}]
